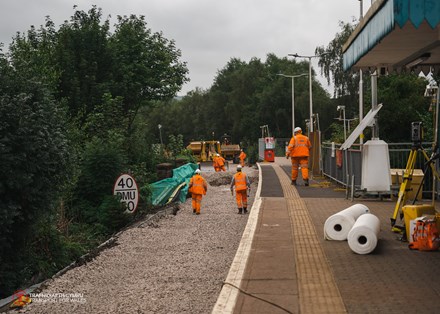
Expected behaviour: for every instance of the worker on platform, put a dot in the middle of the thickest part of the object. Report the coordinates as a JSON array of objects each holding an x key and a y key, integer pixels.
[
  {"x": 197, "y": 188},
  {"x": 242, "y": 157},
  {"x": 220, "y": 163},
  {"x": 299, "y": 152},
  {"x": 242, "y": 184}
]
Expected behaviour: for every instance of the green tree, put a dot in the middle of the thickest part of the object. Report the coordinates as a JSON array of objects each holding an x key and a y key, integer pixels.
[
  {"x": 34, "y": 154},
  {"x": 331, "y": 63},
  {"x": 146, "y": 65},
  {"x": 83, "y": 59},
  {"x": 403, "y": 102}
]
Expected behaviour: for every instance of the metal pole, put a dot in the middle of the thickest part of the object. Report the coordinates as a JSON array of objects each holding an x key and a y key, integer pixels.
[
  {"x": 361, "y": 85},
  {"x": 361, "y": 104},
  {"x": 435, "y": 148},
  {"x": 293, "y": 95},
  {"x": 160, "y": 133},
  {"x": 293, "y": 104},
  {"x": 374, "y": 103},
  {"x": 345, "y": 129},
  {"x": 310, "y": 93}
]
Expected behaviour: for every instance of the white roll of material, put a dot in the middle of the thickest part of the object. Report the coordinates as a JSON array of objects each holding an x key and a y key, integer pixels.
[
  {"x": 337, "y": 226},
  {"x": 363, "y": 237}
]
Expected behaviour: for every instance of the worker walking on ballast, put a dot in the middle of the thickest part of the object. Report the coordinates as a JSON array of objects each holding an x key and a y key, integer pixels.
[
  {"x": 299, "y": 152},
  {"x": 197, "y": 188},
  {"x": 242, "y": 184},
  {"x": 242, "y": 157}
]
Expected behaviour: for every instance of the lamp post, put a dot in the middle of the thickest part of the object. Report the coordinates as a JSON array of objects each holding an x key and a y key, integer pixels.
[
  {"x": 342, "y": 108},
  {"x": 293, "y": 95},
  {"x": 361, "y": 82},
  {"x": 160, "y": 133},
  {"x": 310, "y": 82}
]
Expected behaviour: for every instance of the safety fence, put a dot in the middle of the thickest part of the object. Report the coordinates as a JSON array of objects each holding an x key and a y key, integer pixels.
[{"x": 345, "y": 166}]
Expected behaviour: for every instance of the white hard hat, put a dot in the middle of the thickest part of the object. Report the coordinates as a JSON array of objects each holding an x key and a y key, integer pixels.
[
  {"x": 197, "y": 171},
  {"x": 218, "y": 154},
  {"x": 239, "y": 168},
  {"x": 297, "y": 129}
]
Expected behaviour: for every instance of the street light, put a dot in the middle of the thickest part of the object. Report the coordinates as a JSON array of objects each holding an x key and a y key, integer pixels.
[
  {"x": 293, "y": 95},
  {"x": 160, "y": 133},
  {"x": 342, "y": 108},
  {"x": 310, "y": 82}
]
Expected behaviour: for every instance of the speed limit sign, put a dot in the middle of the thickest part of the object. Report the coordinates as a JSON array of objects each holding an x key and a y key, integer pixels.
[{"x": 126, "y": 188}]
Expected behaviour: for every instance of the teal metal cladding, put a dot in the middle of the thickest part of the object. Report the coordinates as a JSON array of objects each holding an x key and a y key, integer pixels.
[{"x": 382, "y": 23}]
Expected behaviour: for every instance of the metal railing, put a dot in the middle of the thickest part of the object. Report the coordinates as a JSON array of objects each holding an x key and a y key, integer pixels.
[{"x": 345, "y": 167}]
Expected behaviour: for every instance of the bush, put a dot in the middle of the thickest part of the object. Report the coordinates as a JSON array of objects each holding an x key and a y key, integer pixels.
[
  {"x": 33, "y": 160},
  {"x": 103, "y": 161}
]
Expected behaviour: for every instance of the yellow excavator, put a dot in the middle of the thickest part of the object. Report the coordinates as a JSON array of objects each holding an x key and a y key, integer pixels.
[
  {"x": 229, "y": 151},
  {"x": 204, "y": 150}
]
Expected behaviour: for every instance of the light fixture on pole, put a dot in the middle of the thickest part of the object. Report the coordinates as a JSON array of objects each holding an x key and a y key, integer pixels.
[
  {"x": 310, "y": 82},
  {"x": 293, "y": 95},
  {"x": 342, "y": 108}
]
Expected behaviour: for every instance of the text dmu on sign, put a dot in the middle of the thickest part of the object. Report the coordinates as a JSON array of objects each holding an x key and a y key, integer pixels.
[{"x": 126, "y": 188}]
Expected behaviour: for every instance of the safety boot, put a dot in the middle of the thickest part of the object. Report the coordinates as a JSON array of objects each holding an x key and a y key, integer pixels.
[
  {"x": 245, "y": 210},
  {"x": 293, "y": 182},
  {"x": 306, "y": 182},
  {"x": 239, "y": 211}
]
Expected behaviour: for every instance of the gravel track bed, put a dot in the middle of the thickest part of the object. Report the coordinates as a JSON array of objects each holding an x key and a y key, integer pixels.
[{"x": 175, "y": 266}]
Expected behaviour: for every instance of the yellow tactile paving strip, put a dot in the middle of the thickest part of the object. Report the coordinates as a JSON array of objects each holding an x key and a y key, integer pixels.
[{"x": 318, "y": 292}]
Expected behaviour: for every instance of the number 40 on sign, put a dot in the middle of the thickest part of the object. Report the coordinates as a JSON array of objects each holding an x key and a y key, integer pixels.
[{"x": 126, "y": 188}]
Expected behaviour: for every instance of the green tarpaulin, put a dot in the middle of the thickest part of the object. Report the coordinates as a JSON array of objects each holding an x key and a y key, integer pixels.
[{"x": 166, "y": 190}]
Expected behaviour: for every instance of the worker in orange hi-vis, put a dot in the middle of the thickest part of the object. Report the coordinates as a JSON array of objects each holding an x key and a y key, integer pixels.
[
  {"x": 215, "y": 163},
  {"x": 221, "y": 163},
  {"x": 242, "y": 157},
  {"x": 299, "y": 152},
  {"x": 197, "y": 188},
  {"x": 242, "y": 184}
]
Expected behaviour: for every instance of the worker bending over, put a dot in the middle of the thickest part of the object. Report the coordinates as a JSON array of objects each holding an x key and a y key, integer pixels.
[
  {"x": 219, "y": 163},
  {"x": 299, "y": 152},
  {"x": 241, "y": 183},
  {"x": 197, "y": 188},
  {"x": 242, "y": 157},
  {"x": 215, "y": 163}
]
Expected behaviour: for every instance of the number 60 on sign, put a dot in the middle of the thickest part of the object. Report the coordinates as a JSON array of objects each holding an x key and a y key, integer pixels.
[{"x": 126, "y": 188}]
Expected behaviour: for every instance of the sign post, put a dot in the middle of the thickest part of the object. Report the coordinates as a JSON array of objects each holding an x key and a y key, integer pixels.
[{"x": 126, "y": 187}]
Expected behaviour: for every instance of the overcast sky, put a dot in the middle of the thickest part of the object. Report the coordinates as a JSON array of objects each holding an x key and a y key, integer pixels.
[{"x": 208, "y": 32}]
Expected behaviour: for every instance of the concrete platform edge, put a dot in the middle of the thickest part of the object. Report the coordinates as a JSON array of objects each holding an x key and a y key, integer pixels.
[{"x": 227, "y": 298}]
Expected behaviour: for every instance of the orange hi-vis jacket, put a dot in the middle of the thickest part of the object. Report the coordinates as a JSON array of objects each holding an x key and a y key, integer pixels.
[
  {"x": 242, "y": 156},
  {"x": 299, "y": 146},
  {"x": 220, "y": 161},
  {"x": 198, "y": 185},
  {"x": 240, "y": 181}
]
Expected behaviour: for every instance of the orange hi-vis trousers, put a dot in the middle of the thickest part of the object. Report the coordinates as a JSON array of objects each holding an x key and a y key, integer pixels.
[
  {"x": 304, "y": 163},
  {"x": 196, "y": 202},
  {"x": 241, "y": 198}
]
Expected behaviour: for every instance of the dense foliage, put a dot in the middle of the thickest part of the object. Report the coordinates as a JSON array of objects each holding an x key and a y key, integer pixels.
[
  {"x": 80, "y": 105},
  {"x": 244, "y": 96},
  {"x": 68, "y": 128}
]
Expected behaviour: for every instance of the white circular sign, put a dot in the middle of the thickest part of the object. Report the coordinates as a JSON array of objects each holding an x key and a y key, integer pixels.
[{"x": 126, "y": 188}]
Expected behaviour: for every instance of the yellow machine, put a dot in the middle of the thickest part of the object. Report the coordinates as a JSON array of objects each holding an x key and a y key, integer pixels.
[
  {"x": 204, "y": 150},
  {"x": 229, "y": 151},
  {"x": 400, "y": 209}
]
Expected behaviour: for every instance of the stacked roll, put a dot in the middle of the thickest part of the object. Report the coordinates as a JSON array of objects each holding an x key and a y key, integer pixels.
[
  {"x": 362, "y": 238},
  {"x": 338, "y": 226}
]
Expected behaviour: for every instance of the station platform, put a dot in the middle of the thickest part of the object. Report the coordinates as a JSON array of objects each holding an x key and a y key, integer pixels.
[{"x": 284, "y": 264}]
